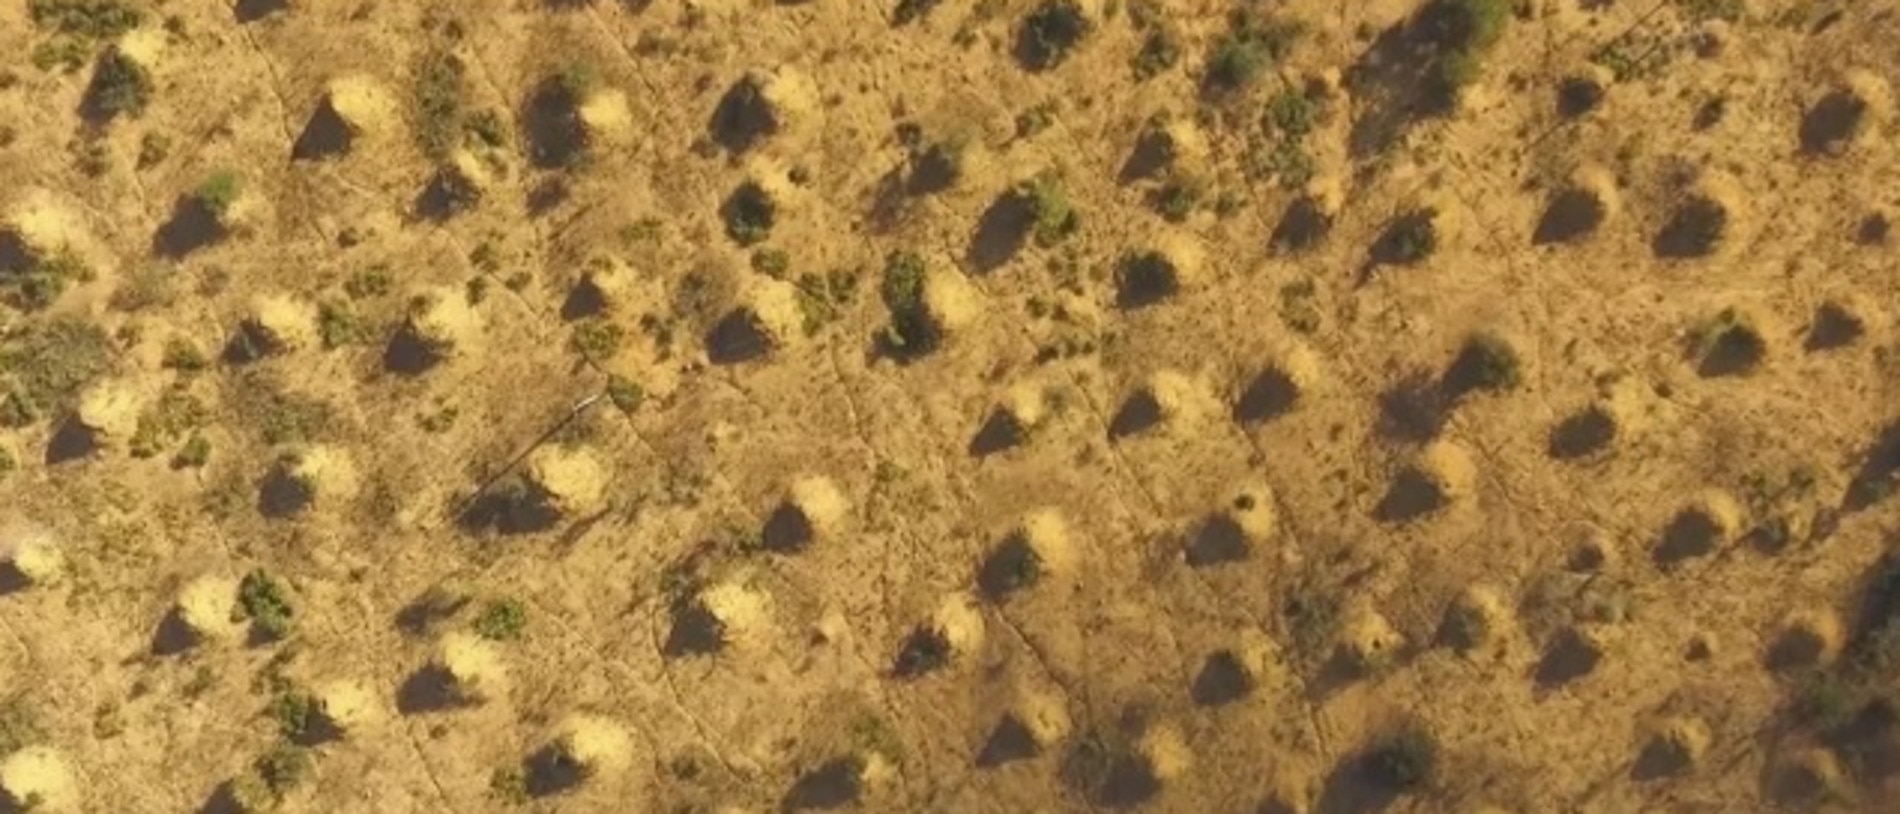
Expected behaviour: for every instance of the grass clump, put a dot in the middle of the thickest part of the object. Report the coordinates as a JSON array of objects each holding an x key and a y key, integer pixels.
[
  {"x": 773, "y": 263},
  {"x": 440, "y": 96},
  {"x": 1050, "y": 32},
  {"x": 820, "y": 297},
  {"x": 598, "y": 338},
  {"x": 266, "y": 603},
  {"x": 47, "y": 364},
  {"x": 176, "y": 413},
  {"x": 195, "y": 453},
  {"x": 911, "y": 332},
  {"x": 295, "y": 714},
  {"x": 502, "y": 621},
  {"x": 749, "y": 213}
]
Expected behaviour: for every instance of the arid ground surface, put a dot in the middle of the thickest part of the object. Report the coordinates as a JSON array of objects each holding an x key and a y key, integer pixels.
[{"x": 949, "y": 406}]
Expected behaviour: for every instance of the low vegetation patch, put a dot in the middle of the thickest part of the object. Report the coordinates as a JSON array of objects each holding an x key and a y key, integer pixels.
[
  {"x": 1252, "y": 44},
  {"x": 911, "y": 332},
  {"x": 37, "y": 284},
  {"x": 45, "y": 365},
  {"x": 266, "y": 604}
]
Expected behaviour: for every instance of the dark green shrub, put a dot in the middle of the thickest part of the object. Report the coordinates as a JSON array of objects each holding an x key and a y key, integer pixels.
[
  {"x": 626, "y": 394},
  {"x": 266, "y": 604},
  {"x": 1252, "y": 44},
  {"x": 1486, "y": 362},
  {"x": 88, "y": 19},
  {"x": 440, "y": 96},
  {"x": 749, "y": 213}
]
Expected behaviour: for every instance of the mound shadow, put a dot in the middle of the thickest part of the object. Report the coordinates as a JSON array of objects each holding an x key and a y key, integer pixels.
[
  {"x": 429, "y": 689},
  {"x": 1001, "y": 233},
  {"x": 325, "y": 136},
  {"x": 192, "y": 226},
  {"x": 1009, "y": 742},
  {"x": 1396, "y": 76},
  {"x": 1828, "y": 126},
  {"x": 72, "y": 441},
  {"x": 1001, "y": 431},
  {"x": 742, "y": 118},
  {"x": 1302, "y": 227},
  {"x": 248, "y": 11},
  {"x": 1218, "y": 540},
  {"x": 834, "y": 784},
  {"x": 551, "y": 119},
  {"x": 737, "y": 338},
  {"x": 1572, "y": 215}
]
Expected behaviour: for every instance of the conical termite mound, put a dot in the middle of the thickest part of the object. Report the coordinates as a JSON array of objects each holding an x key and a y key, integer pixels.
[
  {"x": 353, "y": 110},
  {"x": 1036, "y": 723},
  {"x": 812, "y": 511},
  {"x": 1853, "y": 112},
  {"x": 1038, "y": 548},
  {"x": 1475, "y": 622},
  {"x": 763, "y": 105},
  {"x": 345, "y": 708},
  {"x": 584, "y": 749},
  {"x": 1587, "y": 432},
  {"x": 1309, "y": 219},
  {"x": 106, "y": 417},
  {"x": 952, "y": 634},
  {"x": 465, "y": 670},
  {"x": 1170, "y": 400},
  {"x": 927, "y": 304},
  {"x": 731, "y": 612},
  {"x": 1125, "y": 765},
  {"x": 1707, "y": 523},
  {"x": 1842, "y": 321},
  {"x": 305, "y": 479},
  {"x": 205, "y": 611},
  {"x": 838, "y": 782},
  {"x": 440, "y": 326},
  {"x": 457, "y": 186},
  {"x": 39, "y": 778},
  {"x": 1574, "y": 652},
  {"x": 570, "y": 114},
  {"x": 30, "y": 557},
  {"x": 1279, "y": 387},
  {"x": 1231, "y": 533},
  {"x": 1441, "y": 475},
  {"x": 766, "y": 319},
  {"x": 1154, "y": 276},
  {"x": 1806, "y": 639},
  {"x": 1730, "y": 343},
  {"x": 1227, "y": 676},
  {"x": 1705, "y": 220},
  {"x": 573, "y": 480},
  {"x": 1166, "y": 144},
  {"x": 1581, "y": 208},
  {"x": 1012, "y": 421},
  {"x": 1675, "y": 746},
  {"x": 274, "y": 325},
  {"x": 609, "y": 287}
]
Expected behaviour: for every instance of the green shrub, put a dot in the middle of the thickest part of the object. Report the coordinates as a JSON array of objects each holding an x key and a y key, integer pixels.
[
  {"x": 219, "y": 192},
  {"x": 911, "y": 331},
  {"x": 598, "y": 338},
  {"x": 1055, "y": 217},
  {"x": 1476, "y": 27},
  {"x": 266, "y": 604},
  {"x": 194, "y": 454},
  {"x": 773, "y": 263},
  {"x": 294, "y": 713},
  {"x": 1252, "y": 44},
  {"x": 40, "y": 284},
  {"x": 1486, "y": 362},
  {"x": 626, "y": 394},
  {"x": 502, "y": 620}
]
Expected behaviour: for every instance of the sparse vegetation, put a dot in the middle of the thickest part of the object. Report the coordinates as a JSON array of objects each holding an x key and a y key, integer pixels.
[{"x": 503, "y": 620}]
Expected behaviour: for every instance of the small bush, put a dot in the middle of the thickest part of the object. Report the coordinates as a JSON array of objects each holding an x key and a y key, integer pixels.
[
  {"x": 294, "y": 713},
  {"x": 40, "y": 284},
  {"x": 773, "y": 263},
  {"x": 911, "y": 331},
  {"x": 283, "y": 768},
  {"x": 194, "y": 454},
  {"x": 1474, "y": 27},
  {"x": 749, "y": 213},
  {"x": 266, "y": 604},
  {"x": 440, "y": 101},
  {"x": 1050, "y": 32},
  {"x": 1055, "y": 217},
  {"x": 509, "y": 784},
  {"x": 502, "y": 620},
  {"x": 598, "y": 338},
  {"x": 1252, "y": 44},
  {"x": 626, "y": 394},
  {"x": 219, "y": 192}
]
